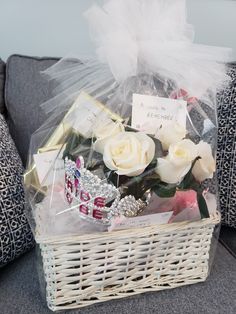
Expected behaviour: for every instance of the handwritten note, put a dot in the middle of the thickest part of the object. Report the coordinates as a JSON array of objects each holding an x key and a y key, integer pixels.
[
  {"x": 140, "y": 221},
  {"x": 149, "y": 113}
]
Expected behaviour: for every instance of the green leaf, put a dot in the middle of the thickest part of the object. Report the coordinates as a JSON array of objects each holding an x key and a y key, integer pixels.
[
  {"x": 189, "y": 180},
  {"x": 158, "y": 148},
  {"x": 202, "y": 206},
  {"x": 165, "y": 190}
]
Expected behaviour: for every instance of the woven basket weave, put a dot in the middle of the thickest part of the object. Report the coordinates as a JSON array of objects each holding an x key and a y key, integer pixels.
[{"x": 83, "y": 270}]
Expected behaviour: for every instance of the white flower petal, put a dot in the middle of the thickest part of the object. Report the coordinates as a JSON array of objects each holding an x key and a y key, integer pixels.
[
  {"x": 132, "y": 172},
  {"x": 148, "y": 146},
  {"x": 107, "y": 158},
  {"x": 99, "y": 145},
  {"x": 206, "y": 166},
  {"x": 169, "y": 172},
  {"x": 168, "y": 135},
  {"x": 183, "y": 152},
  {"x": 104, "y": 131}
]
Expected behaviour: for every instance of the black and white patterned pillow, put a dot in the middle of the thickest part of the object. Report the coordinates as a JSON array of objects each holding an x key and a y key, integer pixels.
[
  {"x": 15, "y": 234},
  {"x": 226, "y": 163}
]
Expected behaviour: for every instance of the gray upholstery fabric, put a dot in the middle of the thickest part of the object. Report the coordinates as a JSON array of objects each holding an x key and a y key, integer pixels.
[
  {"x": 25, "y": 90},
  {"x": 2, "y": 83},
  {"x": 20, "y": 293}
]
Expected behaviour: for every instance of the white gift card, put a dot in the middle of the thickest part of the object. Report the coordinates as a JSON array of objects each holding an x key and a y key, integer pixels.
[
  {"x": 87, "y": 111},
  {"x": 149, "y": 113},
  {"x": 50, "y": 167},
  {"x": 140, "y": 222}
]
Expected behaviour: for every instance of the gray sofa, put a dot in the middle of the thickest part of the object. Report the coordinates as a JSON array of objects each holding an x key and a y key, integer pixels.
[{"x": 20, "y": 291}]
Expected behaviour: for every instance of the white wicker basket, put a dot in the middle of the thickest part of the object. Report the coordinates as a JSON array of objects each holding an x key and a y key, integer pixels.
[{"x": 83, "y": 270}]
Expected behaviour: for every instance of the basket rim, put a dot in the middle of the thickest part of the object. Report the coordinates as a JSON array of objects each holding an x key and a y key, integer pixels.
[{"x": 213, "y": 220}]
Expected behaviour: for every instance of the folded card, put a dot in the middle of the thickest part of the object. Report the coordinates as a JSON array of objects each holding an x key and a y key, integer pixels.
[{"x": 149, "y": 113}]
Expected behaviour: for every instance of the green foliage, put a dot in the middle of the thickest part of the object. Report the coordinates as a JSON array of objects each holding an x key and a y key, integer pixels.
[{"x": 165, "y": 190}]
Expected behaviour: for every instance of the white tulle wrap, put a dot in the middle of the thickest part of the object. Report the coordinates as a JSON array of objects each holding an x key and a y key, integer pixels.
[
  {"x": 135, "y": 37},
  {"x": 154, "y": 36}
]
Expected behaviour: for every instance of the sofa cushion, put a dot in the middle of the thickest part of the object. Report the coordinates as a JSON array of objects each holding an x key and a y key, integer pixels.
[
  {"x": 2, "y": 83},
  {"x": 226, "y": 150},
  {"x": 15, "y": 234},
  {"x": 25, "y": 90}
]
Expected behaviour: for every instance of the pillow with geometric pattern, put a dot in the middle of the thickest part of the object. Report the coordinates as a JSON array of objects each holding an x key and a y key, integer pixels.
[
  {"x": 226, "y": 155},
  {"x": 15, "y": 234}
]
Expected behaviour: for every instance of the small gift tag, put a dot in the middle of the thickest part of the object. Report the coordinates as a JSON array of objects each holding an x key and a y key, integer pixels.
[
  {"x": 140, "y": 221},
  {"x": 44, "y": 163},
  {"x": 87, "y": 110},
  {"x": 149, "y": 113}
]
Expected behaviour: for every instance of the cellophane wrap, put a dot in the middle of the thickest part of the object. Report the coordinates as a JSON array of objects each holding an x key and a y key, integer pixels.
[{"x": 131, "y": 132}]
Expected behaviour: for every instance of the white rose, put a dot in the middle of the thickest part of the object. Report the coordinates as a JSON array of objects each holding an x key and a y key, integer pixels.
[
  {"x": 129, "y": 153},
  {"x": 169, "y": 172},
  {"x": 104, "y": 131},
  {"x": 182, "y": 153},
  {"x": 206, "y": 166},
  {"x": 170, "y": 134},
  {"x": 177, "y": 164}
]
